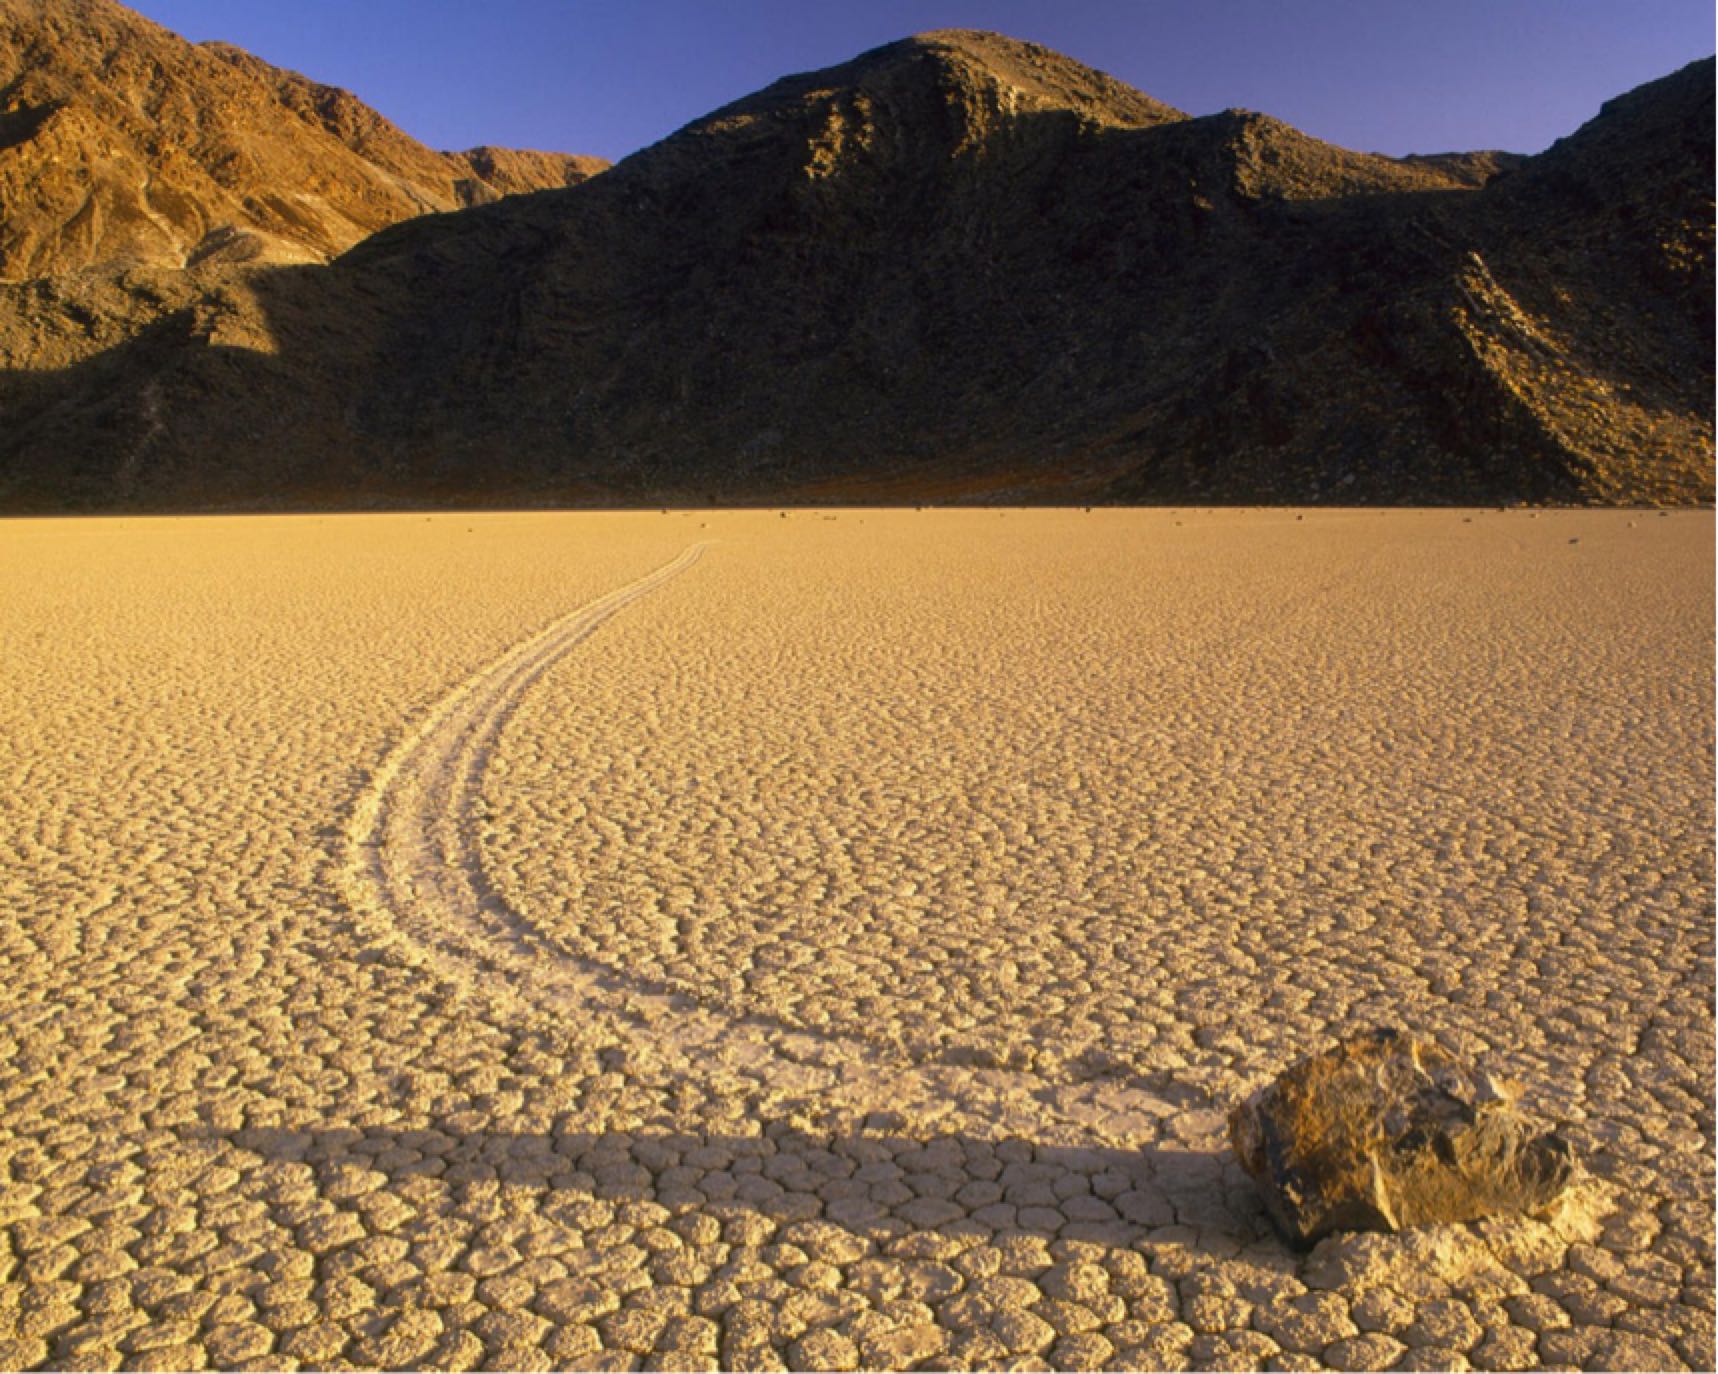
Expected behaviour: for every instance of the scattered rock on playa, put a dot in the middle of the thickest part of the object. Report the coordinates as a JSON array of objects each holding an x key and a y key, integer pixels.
[{"x": 1385, "y": 1131}]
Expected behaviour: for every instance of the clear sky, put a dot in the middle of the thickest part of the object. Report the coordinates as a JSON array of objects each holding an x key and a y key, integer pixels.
[{"x": 610, "y": 76}]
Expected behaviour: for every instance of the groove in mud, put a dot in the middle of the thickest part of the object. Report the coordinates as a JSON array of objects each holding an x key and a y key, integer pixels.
[{"x": 412, "y": 864}]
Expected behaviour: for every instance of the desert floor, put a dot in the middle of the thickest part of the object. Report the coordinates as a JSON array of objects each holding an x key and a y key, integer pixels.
[{"x": 835, "y": 938}]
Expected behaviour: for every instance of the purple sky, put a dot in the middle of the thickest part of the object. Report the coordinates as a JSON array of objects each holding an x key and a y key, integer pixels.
[{"x": 609, "y": 76}]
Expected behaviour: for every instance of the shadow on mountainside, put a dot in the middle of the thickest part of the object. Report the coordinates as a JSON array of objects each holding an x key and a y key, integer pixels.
[
  {"x": 456, "y": 383},
  {"x": 769, "y": 308}
]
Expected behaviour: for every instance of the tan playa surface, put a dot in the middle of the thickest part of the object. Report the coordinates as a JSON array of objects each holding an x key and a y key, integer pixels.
[{"x": 671, "y": 940}]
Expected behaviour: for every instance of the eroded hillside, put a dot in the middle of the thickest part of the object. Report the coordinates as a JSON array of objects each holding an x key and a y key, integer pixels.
[
  {"x": 958, "y": 267},
  {"x": 122, "y": 145}
]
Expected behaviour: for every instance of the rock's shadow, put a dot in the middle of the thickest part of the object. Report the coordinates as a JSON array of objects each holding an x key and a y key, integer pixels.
[{"x": 874, "y": 1184}]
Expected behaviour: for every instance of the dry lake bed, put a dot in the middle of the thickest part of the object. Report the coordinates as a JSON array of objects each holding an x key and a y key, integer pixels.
[{"x": 834, "y": 939}]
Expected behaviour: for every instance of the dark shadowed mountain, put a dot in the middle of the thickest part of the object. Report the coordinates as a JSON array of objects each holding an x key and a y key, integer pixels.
[{"x": 959, "y": 267}]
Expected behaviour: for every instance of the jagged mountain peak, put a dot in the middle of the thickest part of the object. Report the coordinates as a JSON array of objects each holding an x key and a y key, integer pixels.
[
  {"x": 960, "y": 67},
  {"x": 1039, "y": 77}
]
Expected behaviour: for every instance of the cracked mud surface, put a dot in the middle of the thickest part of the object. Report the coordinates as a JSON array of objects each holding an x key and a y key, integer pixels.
[{"x": 516, "y": 941}]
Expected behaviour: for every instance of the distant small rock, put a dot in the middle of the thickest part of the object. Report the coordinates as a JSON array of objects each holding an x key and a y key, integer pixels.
[{"x": 1386, "y": 1131}]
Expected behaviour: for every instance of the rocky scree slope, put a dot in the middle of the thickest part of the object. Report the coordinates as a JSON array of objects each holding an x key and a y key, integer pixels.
[
  {"x": 122, "y": 145},
  {"x": 958, "y": 267}
]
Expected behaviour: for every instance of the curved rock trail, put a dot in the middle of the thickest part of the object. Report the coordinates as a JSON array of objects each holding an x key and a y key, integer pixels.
[
  {"x": 412, "y": 864},
  {"x": 411, "y": 851}
]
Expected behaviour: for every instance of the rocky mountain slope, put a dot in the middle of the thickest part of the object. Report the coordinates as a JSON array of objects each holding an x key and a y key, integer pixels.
[
  {"x": 123, "y": 145},
  {"x": 958, "y": 267},
  {"x": 450, "y": 180}
]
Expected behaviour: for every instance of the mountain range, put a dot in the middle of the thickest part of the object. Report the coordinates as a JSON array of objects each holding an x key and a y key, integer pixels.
[{"x": 957, "y": 268}]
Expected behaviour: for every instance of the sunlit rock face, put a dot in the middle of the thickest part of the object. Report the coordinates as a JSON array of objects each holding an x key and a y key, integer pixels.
[
  {"x": 123, "y": 145},
  {"x": 1386, "y": 1130}
]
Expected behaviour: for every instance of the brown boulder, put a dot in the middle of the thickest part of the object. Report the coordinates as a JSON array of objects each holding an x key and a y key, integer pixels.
[{"x": 1385, "y": 1131}]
